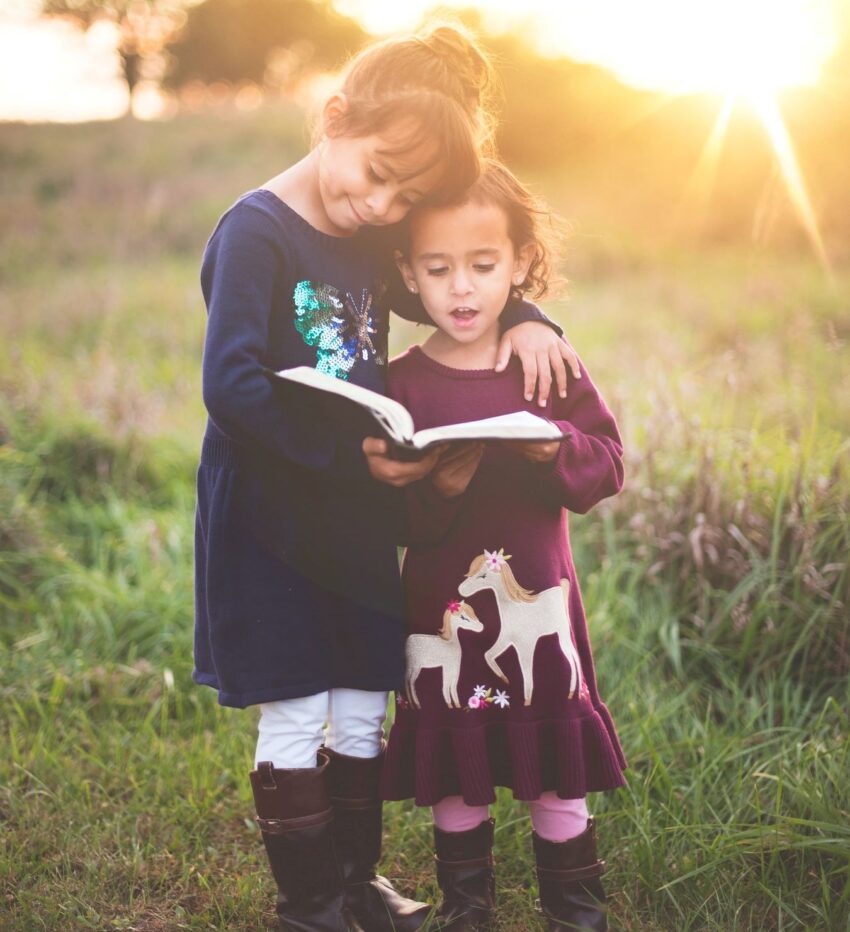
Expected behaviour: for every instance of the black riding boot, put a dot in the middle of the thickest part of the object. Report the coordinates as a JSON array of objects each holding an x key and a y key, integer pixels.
[
  {"x": 571, "y": 892},
  {"x": 296, "y": 820},
  {"x": 370, "y": 898},
  {"x": 466, "y": 877}
]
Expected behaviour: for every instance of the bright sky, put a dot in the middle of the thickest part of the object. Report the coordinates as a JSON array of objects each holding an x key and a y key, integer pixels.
[
  {"x": 669, "y": 45},
  {"x": 51, "y": 71}
]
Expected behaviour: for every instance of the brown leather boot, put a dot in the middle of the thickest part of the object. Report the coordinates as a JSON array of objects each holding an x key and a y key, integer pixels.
[
  {"x": 370, "y": 898},
  {"x": 571, "y": 892},
  {"x": 296, "y": 820},
  {"x": 466, "y": 877}
]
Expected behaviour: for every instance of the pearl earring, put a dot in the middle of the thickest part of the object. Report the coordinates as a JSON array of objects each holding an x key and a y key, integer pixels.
[{"x": 413, "y": 288}]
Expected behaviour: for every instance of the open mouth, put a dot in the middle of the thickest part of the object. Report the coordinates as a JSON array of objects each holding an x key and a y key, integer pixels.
[{"x": 464, "y": 315}]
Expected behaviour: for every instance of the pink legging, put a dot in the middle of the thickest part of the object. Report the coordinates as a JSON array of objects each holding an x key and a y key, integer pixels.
[{"x": 554, "y": 819}]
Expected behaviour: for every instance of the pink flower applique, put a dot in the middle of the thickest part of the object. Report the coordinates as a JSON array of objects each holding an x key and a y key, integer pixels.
[
  {"x": 482, "y": 696},
  {"x": 494, "y": 560}
]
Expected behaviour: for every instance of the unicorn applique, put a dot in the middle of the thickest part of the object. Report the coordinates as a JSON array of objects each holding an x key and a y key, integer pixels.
[
  {"x": 441, "y": 650},
  {"x": 525, "y": 617}
]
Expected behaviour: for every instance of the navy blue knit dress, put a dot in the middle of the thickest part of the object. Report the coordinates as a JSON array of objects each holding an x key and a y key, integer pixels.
[{"x": 296, "y": 575}]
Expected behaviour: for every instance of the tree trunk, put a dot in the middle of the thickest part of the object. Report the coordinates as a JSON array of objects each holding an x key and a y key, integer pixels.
[{"x": 131, "y": 63}]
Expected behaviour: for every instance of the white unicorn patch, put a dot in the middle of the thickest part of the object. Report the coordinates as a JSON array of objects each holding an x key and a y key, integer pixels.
[{"x": 525, "y": 617}]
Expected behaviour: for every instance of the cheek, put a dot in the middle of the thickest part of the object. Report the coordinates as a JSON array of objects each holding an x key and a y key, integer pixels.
[
  {"x": 500, "y": 287},
  {"x": 428, "y": 287},
  {"x": 397, "y": 212}
]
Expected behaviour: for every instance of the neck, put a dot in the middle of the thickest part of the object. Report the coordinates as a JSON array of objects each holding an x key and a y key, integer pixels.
[
  {"x": 298, "y": 187},
  {"x": 479, "y": 354}
]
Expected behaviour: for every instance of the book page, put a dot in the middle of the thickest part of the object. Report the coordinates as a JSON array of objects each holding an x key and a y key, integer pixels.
[
  {"x": 391, "y": 415},
  {"x": 520, "y": 425}
]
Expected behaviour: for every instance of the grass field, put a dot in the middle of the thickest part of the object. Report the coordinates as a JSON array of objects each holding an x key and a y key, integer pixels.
[{"x": 716, "y": 586}]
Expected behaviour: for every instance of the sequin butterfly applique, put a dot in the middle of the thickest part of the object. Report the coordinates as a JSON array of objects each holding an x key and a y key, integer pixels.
[{"x": 340, "y": 328}]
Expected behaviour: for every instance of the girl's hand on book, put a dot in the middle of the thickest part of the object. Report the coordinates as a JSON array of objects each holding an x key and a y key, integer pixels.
[
  {"x": 456, "y": 467},
  {"x": 542, "y": 354},
  {"x": 535, "y": 452},
  {"x": 397, "y": 472}
]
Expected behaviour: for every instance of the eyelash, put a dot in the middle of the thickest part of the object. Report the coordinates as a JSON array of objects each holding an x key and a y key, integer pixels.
[
  {"x": 441, "y": 270},
  {"x": 378, "y": 179}
]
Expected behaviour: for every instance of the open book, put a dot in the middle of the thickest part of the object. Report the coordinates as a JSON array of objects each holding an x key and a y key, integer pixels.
[{"x": 397, "y": 423}]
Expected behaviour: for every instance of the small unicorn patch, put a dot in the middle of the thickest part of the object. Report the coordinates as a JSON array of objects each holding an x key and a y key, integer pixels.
[{"x": 425, "y": 651}]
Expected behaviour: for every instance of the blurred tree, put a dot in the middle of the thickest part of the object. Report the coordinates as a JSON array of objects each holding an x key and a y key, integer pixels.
[
  {"x": 144, "y": 27},
  {"x": 266, "y": 41}
]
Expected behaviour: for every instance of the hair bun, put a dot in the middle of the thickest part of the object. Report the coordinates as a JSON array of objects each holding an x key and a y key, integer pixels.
[{"x": 466, "y": 65}]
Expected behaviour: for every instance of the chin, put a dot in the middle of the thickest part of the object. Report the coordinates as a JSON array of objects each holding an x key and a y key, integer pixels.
[{"x": 464, "y": 336}]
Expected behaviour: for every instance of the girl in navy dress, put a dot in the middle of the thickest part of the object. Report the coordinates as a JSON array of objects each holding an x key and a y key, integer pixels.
[
  {"x": 500, "y": 685},
  {"x": 298, "y": 600}
]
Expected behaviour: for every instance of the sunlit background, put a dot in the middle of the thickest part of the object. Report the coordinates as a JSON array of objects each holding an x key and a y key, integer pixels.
[
  {"x": 52, "y": 72},
  {"x": 698, "y": 152},
  {"x": 731, "y": 57}
]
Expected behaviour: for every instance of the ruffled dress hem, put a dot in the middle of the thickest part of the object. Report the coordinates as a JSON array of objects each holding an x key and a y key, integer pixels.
[{"x": 570, "y": 756}]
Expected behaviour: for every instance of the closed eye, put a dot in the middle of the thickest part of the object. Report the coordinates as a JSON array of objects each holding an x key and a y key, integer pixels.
[
  {"x": 440, "y": 270},
  {"x": 374, "y": 176},
  {"x": 484, "y": 267}
]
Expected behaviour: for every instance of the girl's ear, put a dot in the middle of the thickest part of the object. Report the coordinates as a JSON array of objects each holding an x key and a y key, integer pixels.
[
  {"x": 406, "y": 271},
  {"x": 522, "y": 263},
  {"x": 335, "y": 107}
]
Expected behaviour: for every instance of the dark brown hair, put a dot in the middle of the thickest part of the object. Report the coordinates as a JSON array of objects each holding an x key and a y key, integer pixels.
[{"x": 530, "y": 222}]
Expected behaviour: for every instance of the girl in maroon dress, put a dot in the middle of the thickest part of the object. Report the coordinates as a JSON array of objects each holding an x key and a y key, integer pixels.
[{"x": 501, "y": 689}]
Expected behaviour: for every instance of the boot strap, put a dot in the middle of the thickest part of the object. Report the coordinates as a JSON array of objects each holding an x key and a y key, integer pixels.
[
  {"x": 575, "y": 873},
  {"x": 472, "y": 862},
  {"x": 282, "y": 826}
]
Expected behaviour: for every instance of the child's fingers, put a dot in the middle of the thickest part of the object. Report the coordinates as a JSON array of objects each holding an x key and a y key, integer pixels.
[
  {"x": 544, "y": 377},
  {"x": 461, "y": 452},
  {"x": 556, "y": 360},
  {"x": 529, "y": 368},
  {"x": 374, "y": 446},
  {"x": 503, "y": 357},
  {"x": 568, "y": 353},
  {"x": 397, "y": 472},
  {"x": 462, "y": 467}
]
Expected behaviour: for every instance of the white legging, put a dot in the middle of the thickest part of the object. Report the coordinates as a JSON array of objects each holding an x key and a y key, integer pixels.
[{"x": 291, "y": 731}]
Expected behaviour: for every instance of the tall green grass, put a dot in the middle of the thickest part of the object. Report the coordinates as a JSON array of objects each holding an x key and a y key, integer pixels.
[{"x": 716, "y": 585}]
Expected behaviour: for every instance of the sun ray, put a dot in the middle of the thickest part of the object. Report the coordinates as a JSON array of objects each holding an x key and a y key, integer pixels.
[
  {"x": 767, "y": 110},
  {"x": 701, "y": 183}
]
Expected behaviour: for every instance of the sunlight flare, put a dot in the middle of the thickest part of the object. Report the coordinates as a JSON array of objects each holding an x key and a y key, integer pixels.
[
  {"x": 767, "y": 110},
  {"x": 702, "y": 180},
  {"x": 677, "y": 46}
]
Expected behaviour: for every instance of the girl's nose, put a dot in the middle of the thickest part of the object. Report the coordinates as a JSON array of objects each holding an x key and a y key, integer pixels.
[
  {"x": 380, "y": 202},
  {"x": 460, "y": 283}
]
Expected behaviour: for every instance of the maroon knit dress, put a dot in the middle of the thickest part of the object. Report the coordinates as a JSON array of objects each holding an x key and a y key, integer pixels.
[{"x": 501, "y": 689}]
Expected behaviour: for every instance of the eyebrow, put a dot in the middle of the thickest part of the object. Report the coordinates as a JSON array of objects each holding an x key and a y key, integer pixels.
[{"x": 484, "y": 250}]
